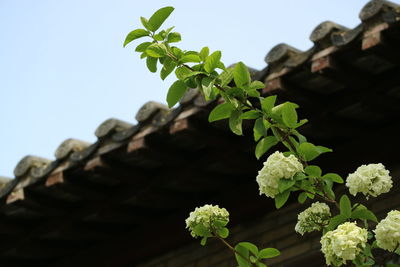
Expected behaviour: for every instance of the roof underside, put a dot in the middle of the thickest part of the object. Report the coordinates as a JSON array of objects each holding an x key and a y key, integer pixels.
[{"x": 124, "y": 198}]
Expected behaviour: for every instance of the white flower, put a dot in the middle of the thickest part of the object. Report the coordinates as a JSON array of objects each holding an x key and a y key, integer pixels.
[
  {"x": 203, "y": 218},
  {"x": 275, "y": 168},
  {"x": 344, "y": 243},
  {"x": 313, "y": 218},
  {"x": 371, "y": 180},
  {"x": 387, "y": 232}
]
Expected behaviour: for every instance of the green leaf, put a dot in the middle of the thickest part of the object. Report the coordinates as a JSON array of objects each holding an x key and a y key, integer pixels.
[
  {"x": 204, "y": 52},
  {"x": 260, "y": 129},
  {"x": 327, "y": 186},
  {"x": 167, "y": 68},
  {"x": 190, "y": 58},
  {"x": 242, "y": 256},
  {"x": 310, "y": 151},
  {"x": 145, "y": 23},
  {"x": 264, "y": 145},
  {"x": 223, "y": 232},
  {"x": 268, "y": 103},
  {"x": 221, "y": 111},
  {"x": 135, "y": 34},
  {"x": 226, "y": 77},
  {"x": 151, "y": 63},
  {"x": 281, "y": 199},
  {"x": 255, "y": 85},
  {"x": 302, "y": 197},
  {"x": 175, "y": 92},
  {"x": 299, "y": 175},
  {"x": 267, "y": 253},
  {"x": 345, "y": 206},
  {"x": 335, "y": 221},
  {"x": 260, "y": 264},
  {"x": 174, "y": 37},
  {"x": 211, "y": 61},
  {"x": 289, "y": 115},
  {"x": 250, "y": 247},
  {"x": 313, "y": 171},
  {"x": 285, "y": 184},
  {"x": 241, "y": 75},
  {"x": 158, "y": 18},
  {"x": 333, "y": 177},
  {"x": 203, "y": 241},
  {"x": 364, "y": 214},
  {"x": 142, "y": 47},
  {"x": 251, "y": 115},
  {"x": 156, "y": 50},
  {"x": 207, "y": 84},
  {"x": 235, "y": 122}
]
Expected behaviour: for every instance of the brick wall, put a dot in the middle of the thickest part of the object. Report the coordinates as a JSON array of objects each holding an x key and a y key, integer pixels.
[{"x": 275, "y": 229}]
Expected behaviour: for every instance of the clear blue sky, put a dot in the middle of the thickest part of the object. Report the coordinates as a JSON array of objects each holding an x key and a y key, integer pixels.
[{"x": 63, "y": 70}]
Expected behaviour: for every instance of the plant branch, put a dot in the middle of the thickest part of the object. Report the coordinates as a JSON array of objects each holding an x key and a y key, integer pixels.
[{"x": 231, "y": 248}]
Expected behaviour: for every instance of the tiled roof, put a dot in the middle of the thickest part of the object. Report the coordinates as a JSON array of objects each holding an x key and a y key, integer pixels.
[{"x": 106, "y": 200}]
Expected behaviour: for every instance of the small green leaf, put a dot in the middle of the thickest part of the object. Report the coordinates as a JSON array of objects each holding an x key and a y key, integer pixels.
[
  {"x": 158, "y": 18},
  {"x": 151, "y": 63},
  {"x": 156, "y": 50},
  {"x": 267, "y": 253},
  {"x": 223, "y": 232},
  {"x": 203, "y": 241},
  {"x": 268, "y": 103},
  {"x": 302, "y": 197},
  {"x": 211, "y": 61},
  {"x": 264, "y": 145},
  {"x": 313, "y": 170},
  {"x": 250, "y": 247},
  {"x": 364, "y": 214},
  {"x": 190, "y": 58},
  {"x": 327, "y": 186},
  {"x": 204, "y": 52},
  {"x": 255, "y": 85},
  {"x": 226, "y": 77},
  {"x": 167, "y": 68},
  {"x": 333, "y": 177},
  {"x": 242, "y": 256},
  {"x": 281, "y": 199},
  {"x": 299, "y": 175},
  {"x": 142, "y": 47},
  {"x": 260, "y": 129},
  {"x": 335, "y": 221},
  {"x": 310, "y": 151},
  {"x": 221, "y": 111},
  {"x": 207, "y": 84},
  {"x": 133, "y": 35},
  {"x": 241, "y": 75},
  {"x": 345, "y": 206},
  {"x": 145, "y": 23},
  {"x": 251, "y": 115},
  {"x": 174, "y": 37},
  {"x": 285, "y": 184},
  {"x": 235, "y": 122},
  {"x": 175, "y": 92},
  {"x": 289, "y": 115}
]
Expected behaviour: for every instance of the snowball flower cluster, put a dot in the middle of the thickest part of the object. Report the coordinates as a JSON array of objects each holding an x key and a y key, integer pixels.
[
  {"x": 313, "y": 218},
  {"x": 371, "y": 180},
  {"x": 275, "y": 168},
  {"x": 343, "y": 244},
  {"x": 204, "y": 218},
  {"x": 387, "y": 232}
]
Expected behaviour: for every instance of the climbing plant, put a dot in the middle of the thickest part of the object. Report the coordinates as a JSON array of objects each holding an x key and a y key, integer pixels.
[{"x": 349, "y": 232}]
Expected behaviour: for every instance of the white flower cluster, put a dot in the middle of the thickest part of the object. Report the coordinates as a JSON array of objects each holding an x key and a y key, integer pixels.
[
  {"x": 387, "y": 232},
  {"x": 275, "y": 168},
  {"x": 313, "y": 218},
  {"x": 205, "y": 217},
  {"x": 371, "y": 180},
  {"x": 343, "y": 244}
]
